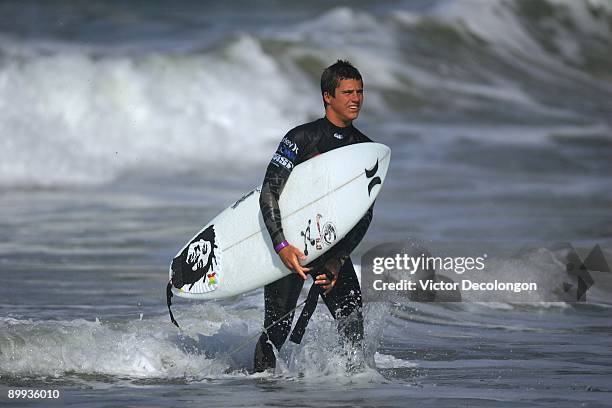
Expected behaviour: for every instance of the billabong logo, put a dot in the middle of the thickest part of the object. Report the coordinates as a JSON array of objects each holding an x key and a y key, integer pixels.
[
  {"x": 338, "y": 136},
  {"x": 370, "y": 174}
]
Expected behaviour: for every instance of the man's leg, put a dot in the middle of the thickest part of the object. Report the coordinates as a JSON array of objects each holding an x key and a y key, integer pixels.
[
  {"x": 344, "y": 303},
  {"x": 279, "y": 298}
]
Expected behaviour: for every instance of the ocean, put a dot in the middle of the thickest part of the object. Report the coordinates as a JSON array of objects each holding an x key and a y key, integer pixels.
[{"x": 126, "y": 126}]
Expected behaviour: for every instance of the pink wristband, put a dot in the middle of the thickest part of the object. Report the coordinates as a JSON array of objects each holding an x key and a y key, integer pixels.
[{"x": 281, "y": 246}]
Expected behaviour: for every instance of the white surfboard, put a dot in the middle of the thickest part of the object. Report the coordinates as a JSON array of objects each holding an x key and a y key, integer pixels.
[{"x": 323, "y": 200}]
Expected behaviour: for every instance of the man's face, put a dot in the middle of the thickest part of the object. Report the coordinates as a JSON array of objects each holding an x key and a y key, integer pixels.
[{"x": 344, "y": 107}]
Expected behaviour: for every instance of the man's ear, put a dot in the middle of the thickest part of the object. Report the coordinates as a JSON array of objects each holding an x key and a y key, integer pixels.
[{"x": 327, "y": 97}]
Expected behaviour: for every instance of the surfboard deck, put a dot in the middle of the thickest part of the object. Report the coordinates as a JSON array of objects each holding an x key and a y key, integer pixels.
[{"x": 322, "y": 201}]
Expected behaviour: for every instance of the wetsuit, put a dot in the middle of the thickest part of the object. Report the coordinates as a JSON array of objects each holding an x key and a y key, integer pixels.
[{"x": 344, "y": 301}]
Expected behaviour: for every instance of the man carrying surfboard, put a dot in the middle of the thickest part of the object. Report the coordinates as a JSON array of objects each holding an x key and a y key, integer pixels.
[{"x": 334, "y": 274}]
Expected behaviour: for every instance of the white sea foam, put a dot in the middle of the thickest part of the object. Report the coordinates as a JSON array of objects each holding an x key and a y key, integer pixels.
[
  {"x": 74, "y": 118},
  {"x": 510, "y": 35},
  {"x": 501, "y": 24},
  {"x": 139, "y": 349},
  {"x": 214, "y": 341},
  {"x": 79, "y": 113},
  {"x": 389, "y": 361}
]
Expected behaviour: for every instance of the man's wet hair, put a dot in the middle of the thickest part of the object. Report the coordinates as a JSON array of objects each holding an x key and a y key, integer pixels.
[{"x": 331, "y": 77}]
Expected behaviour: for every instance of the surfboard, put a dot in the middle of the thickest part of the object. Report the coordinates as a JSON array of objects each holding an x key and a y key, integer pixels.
[{"x": 322, "y": 201}]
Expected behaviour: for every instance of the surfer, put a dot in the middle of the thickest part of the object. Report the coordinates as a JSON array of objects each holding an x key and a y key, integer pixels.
[{"x": 334, "y": 274}]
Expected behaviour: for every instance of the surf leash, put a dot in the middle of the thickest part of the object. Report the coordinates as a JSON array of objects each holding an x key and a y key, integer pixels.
[
  {"x": 265, "y": 329},
  {"x": 310, "y": 304},
  {"x": 169, "y": 295}
]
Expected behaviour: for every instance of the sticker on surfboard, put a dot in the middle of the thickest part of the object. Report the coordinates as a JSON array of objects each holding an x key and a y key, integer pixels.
[
  {"x": 325, "y": 233},
  {"x": 198, "y": 268}
]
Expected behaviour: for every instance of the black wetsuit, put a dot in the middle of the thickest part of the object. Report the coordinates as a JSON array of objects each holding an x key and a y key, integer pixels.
[{"x": 299, "y": 145}]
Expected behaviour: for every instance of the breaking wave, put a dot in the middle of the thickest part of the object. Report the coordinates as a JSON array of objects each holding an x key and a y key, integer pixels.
[{"x": 78, "y": 112}]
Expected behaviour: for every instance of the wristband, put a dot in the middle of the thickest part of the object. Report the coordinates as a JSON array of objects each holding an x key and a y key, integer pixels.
[{"x": 281, "y": 246}]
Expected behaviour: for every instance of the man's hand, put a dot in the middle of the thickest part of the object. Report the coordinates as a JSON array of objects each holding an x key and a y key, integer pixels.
[
  {"x": 291, "y": 256},
  {"x": 333, "y": 265}
]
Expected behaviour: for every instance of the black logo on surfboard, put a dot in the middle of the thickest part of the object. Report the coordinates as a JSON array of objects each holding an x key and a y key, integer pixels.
[
  {"x": 195, "y": 260},
  {"x": 370, "y": 174},
  {"x": 326, "y": 234}
]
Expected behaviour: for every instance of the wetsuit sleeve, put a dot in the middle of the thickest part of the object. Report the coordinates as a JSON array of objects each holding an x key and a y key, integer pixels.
[{"x": 287, "y": 156}]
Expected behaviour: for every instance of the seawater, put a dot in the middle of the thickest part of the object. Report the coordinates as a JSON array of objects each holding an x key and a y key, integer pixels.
[{"x": 125, "y": 127}]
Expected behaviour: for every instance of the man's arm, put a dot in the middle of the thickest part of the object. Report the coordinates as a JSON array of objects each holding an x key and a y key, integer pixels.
[{"x": 277, "y": 174}]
